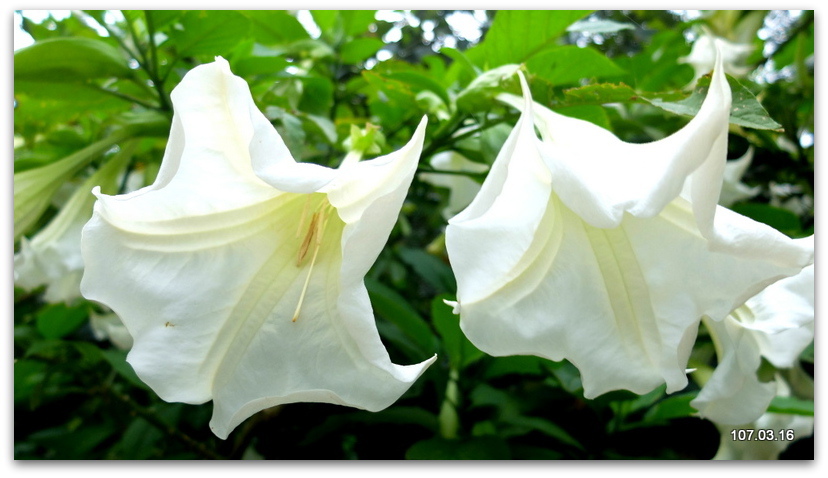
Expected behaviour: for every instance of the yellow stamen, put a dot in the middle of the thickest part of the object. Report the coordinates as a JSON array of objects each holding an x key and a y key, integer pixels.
[
  {"x": 315, "y": 231},
  {"x": 312, "y": 229}
]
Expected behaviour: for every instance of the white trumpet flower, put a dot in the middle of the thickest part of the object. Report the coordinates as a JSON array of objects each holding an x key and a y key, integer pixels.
[
  {"x": 239, "y": 272},
  {"x": 778, "y": 324},
  {"x": 608, "y": 254}
]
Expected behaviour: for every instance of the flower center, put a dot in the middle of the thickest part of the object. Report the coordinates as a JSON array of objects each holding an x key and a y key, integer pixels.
[{"x": 313, "y": 237}]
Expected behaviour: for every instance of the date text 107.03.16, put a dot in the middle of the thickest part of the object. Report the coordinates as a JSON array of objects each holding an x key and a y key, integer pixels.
[{"x": 749, "y": 434}]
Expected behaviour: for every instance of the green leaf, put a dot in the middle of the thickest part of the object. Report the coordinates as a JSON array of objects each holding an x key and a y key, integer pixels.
[
  {"x": 325, "y": 19},
  {"x": 675, "y": 406},
  {"x": 58, "y": 320},
  {"x": 209, "y": 32},
  {"x": 430, "y": 268},
  {"x": 419, "y": 82},
  {"x": 138, "y": 441},
  {"x": 476, "y": 448},
  {"x": 461, "y": 352},
  {"x": 778, "y": 218},
  {"x": 515, "y": 364},
  {"x": 791, "y": 406},
  {"x": 394, "y": 308},
  {"x": 360, "y": 49},
  {"x": 544, "y": 426},
  {"x": 270, "y": 27},
  {"x": 516, "y": 35},
  {"x": 355, "y": 22},
  {"x": 466, "y": 72},
  {"x": 260, "y": 61},
  {"x": 70, "y": 59},
  {"x": 117, "y": 359},
  {"x": 594, "y": 114},
  {"x": 599, "y": 94},
  {"x": 571, "y": 64},
  {"x": 745, "y": 110},
  {"x": 567, "y": 375}
]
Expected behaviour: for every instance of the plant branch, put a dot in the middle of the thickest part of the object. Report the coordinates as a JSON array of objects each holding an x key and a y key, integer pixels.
[{"x": 155, "y": 421}]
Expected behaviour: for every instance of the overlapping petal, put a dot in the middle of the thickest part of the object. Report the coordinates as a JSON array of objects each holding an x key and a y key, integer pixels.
[
  {"x": 606, "y": 253},
  {"x": 778, "y": 324},
  {"x": 239, "y": 272},
  {"x": 782, "y": 427}
]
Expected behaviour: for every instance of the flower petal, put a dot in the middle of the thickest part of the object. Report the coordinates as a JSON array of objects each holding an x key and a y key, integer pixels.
[
  {"x": 588, "y": 163},
  {"x": 734, "y": 395}
]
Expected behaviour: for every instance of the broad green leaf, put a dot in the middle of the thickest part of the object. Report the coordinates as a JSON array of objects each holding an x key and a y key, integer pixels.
[
  {"x": 745, "y": 110},
  {"x": 270, "y": 27},
  {"x": 394, "y": 308},
  {"x": 674, "y": 406},
  {"x": 360, "y": 49},
  {"x": 476, "y": 448},
  {"x": 567, "y": 375},
  {"x": 516, "y": 35},
  {"x": 460, "y": 351},
  {"x": 161, "y": 18},
  {"x": 776, "y": 217},
  {"x": 325, "y": 19},
  {"x": 259, "y": 65},
  {"x": 214, "y": 32},
  {"x": 544, "y": 426},
  {"x": 55, "y": 321},
  {"x": 594, "y": 114},
  {"x": 599, "y": 94},
  {"x": 71, "y": 59},
  {"x": 117, "y": 359},
  {"x": 571, "y": 64},
  {"x": 419, "y": 82},
  {"x": 465, "y": 69},
  {"x": 138, "y": 441},
  {"x": 355, "y": 22},
  {"x": 515, "y": 364},
  {"x": 434, "y": 271},
  {"x": 791, "y": 406}
]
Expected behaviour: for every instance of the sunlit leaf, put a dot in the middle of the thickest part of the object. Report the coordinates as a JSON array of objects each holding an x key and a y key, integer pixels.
[
  {"x": 516, "y": 35},
  {"x": 209, "y": 32},
  {"x": 745, "y": 110},
  {"x": 571, "y": 64},
  {"x": 63, "y": 60}
]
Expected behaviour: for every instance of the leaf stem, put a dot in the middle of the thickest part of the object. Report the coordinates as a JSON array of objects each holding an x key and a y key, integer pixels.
[{"x": 157, "y": 422}]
